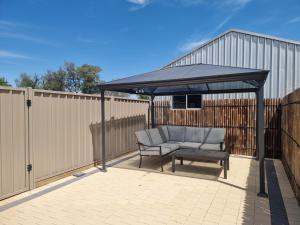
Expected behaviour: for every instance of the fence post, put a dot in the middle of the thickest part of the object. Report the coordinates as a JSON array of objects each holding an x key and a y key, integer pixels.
[
  {"x": 152, "y": 112},
  {"x": 103, "y": 129},
  {"x": 29, "y": 136}
]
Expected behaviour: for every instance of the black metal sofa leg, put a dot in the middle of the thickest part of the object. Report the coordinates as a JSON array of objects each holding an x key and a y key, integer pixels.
[
  {"x": 140, "y": 161},
  {"x": 161, "y": 164}
]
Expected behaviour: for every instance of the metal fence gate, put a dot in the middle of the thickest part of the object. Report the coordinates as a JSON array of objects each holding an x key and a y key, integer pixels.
[{"x": 14, "y": 155}]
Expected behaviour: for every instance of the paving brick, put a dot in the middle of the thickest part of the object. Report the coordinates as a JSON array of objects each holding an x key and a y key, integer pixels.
[{"x": 132, "y": 197}]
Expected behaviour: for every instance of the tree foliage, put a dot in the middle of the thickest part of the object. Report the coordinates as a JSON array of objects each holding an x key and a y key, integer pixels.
[
  {"x": 144, "y": 97},
  {"x": 69, "y": 77},
  {"x": 117, "y": 94},
  {"x": 73, "y": 80},
  {"x": 89, "y": 76},
  {"x": 25, "y": 80},
  {"x": 4, "y": 82},
  {"x": 54, "y": 80}
]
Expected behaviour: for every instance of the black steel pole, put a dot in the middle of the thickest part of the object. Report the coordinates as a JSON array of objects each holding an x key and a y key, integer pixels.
[
  {"x": 260, "y": 140},
  {"x": 152, "y": 112},
  {"x": 103, "y": 130}
]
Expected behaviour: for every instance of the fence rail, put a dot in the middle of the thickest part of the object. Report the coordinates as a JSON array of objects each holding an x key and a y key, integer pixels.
[{"x": 238, "y": 116}]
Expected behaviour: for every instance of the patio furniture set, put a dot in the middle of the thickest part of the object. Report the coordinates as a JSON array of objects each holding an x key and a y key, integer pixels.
[{"x": 183, "y": 143}]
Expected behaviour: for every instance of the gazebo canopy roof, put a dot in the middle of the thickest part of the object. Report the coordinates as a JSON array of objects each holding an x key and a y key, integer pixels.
[{"x": 191, "y": 79}]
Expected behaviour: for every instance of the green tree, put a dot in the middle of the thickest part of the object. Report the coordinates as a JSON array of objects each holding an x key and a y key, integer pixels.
[
  {"x": 25, "y": 80},
  {"x": 54, "y": 80},
  {"x": 117, "y": 94},
  {"x": 89, "y": 75},
  {"x": 4, "y": 82},
  {"x": 145, "y": 97},
  {"x": 73, "y": 81}
]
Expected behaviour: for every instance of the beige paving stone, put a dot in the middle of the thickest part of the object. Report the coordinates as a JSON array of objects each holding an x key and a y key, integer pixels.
[{"x": 130, "y": 197}]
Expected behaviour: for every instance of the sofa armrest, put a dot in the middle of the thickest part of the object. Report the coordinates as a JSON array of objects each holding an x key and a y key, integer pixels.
[{"x": 149, "y": 146}]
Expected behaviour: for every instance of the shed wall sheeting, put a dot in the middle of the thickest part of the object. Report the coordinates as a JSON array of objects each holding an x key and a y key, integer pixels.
[{"x": 250, "y": 50}]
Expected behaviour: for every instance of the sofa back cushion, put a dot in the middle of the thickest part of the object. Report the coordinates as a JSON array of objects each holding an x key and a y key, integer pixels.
[
  {"x": 214, "y": 135},
  {"x": 143, "y": 137},
  {"x": 164, "y": 133},
  {"x": 176, "y": 133},
  {"x": 194, "y": 134},
  {"x": 155, "y": 136}
]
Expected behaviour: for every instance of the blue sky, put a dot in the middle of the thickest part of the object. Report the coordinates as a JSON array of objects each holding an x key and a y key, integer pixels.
[{"x": 126, "y": 37}]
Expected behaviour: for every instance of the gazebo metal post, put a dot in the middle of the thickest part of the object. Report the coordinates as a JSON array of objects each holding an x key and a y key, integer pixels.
[
  {"x": 152, "y": 112},
  {"x": 260, "y": 140},
  {"x": 103, "y": 130}
]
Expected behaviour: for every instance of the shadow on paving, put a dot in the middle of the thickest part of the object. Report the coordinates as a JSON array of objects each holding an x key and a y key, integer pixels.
[
  {"x": 46, "y": 191},
  {"x": 202, "y": 170},
  {"x": 277, "y": 208},
  {"x": 258, "y": 210}
]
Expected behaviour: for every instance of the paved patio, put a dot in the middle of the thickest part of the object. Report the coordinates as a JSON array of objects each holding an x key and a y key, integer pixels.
[{"x": 127, "y": 196}]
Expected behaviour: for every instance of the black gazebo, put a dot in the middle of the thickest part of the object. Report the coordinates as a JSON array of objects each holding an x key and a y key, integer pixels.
[{"x": 196, "y": 79}]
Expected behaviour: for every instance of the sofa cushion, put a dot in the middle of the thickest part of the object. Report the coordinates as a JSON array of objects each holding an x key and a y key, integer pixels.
[
  {"x": 176, "y": 133},
  {"x": 215, "y": 147},
  {"x": 194, "y": 134},
  {"x": 214, "y": 135},
  {"x": 193, "y": 145},
  {"x": 171, "y": 146},
  {"x": 155, "y": 151},
  {"x": 143, "y": 137},
  {"x": 155, "y": 137},
  {"x": 174, "y": 142},
  {"x": 164, "y": 133}
]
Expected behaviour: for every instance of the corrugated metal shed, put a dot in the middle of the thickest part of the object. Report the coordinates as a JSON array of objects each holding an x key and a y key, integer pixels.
[{"x": 251, "y": 50}]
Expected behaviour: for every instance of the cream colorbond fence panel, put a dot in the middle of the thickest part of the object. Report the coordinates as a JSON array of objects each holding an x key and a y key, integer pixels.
[
  {"x": 13, "y": 142},
  {"x": 66, "y": 130},
  {"x": 59, "y": 133}
]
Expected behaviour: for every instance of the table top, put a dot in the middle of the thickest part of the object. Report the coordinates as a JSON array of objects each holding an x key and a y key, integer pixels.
[{"x": 200, "y": 154}]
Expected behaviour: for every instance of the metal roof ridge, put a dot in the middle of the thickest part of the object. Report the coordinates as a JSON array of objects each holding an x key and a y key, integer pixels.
[{"x": 227, "y": 32}]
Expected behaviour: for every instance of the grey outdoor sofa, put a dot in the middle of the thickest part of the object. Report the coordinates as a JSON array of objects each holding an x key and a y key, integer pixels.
[{"x": 166, "y": 139}]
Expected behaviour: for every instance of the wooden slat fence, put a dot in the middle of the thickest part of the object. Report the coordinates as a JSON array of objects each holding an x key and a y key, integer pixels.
[
  {"x": 236, "y": 115},
  {"x": 290, "y": 122}
]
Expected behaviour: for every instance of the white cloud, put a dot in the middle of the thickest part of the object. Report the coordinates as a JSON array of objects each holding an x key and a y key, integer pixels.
[
  {"x": 12, "y": 55},
  {"x": 237, "y": 3},
  {"x": 86, "y": 40},
  {"x": 193, "y": 43},
  {"x": 295, "y": 20},
  {"x": 24, "y": 37},
  {"x": 191, "y": 2},
  {"x": 11, "y": 24},
  {"x": 138, "y": 4},
  {"x": 189, "y": 45}
]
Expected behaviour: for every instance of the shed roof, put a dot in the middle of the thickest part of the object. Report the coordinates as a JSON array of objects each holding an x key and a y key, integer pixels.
[{"x": 191, "y": 79}]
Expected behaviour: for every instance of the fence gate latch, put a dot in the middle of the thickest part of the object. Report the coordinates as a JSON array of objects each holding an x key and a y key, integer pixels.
[
  {"x": 29, "y": 167},
  {"x": 28, "y": 102}
]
